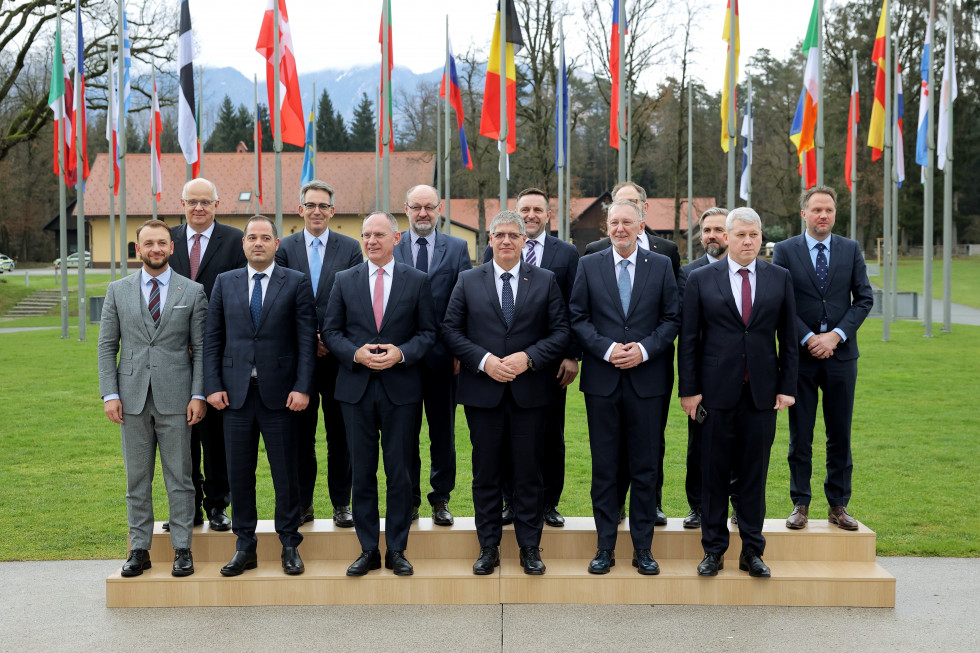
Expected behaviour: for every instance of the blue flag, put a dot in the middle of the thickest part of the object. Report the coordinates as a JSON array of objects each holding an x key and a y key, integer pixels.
[{"x": 309, "y": 153}]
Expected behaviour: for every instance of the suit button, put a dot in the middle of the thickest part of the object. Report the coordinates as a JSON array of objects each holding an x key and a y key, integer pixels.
[
  {"x": 147, "y": 367},
  {"x": 255, "y": 339},
  {"x": 627, "y": 328},
  {"x": 746, "y": 332}
]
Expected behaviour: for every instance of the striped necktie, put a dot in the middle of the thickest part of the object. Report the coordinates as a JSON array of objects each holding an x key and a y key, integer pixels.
[{"x": 154, "y": 303}]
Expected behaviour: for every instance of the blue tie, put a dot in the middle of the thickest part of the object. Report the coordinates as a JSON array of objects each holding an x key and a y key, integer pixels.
[
  {"x": 530, "y": 256},
  {"x": 422, "y": 260},
  {"x": 625, "y": 288},
  {"x": 821, "y": 267},
  {"x": 507, "y": 297},
  {"x": 315, "y": 264},
  {"x": 255, "y": 306}
]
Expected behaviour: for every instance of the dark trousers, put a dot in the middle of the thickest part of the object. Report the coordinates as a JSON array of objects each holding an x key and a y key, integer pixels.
[
  {"x": 837, "y": 380},
  {"x": 494, "y": 432},
  {"x": 693, "y": 481},
  {"x": 552, "y": 455},
  {"x": 736, "y": 440},
  {"x": 376, "y": 413},
  {"x": 439, "y": 399},
  {"x": 338, "y": 457},
  {"x": 623, "y": 476},
  {"x": 623, "y": 421},
  {"x": 210, "y": 487},
  {"x": 278, "y": 427}
]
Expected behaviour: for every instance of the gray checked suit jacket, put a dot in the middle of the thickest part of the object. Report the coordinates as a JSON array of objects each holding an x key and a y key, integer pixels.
[{"x": 149, "y": 353}]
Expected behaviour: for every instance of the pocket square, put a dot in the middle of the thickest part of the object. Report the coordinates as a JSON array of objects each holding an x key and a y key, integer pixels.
[{"x": 181, "y": 306}]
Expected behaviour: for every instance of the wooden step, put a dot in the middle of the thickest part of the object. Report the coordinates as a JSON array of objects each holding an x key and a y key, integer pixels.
[{"x": 322, "y": 540}]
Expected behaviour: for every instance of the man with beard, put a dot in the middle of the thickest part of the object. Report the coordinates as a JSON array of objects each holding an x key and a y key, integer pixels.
[{"x": 155, "y": 392}]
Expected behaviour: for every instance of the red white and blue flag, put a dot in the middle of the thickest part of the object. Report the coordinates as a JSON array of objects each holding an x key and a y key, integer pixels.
[
  {"x": 456, "y": 102},
  {"x": 78, "y": 117},
  {"x": 615, "y": 52}
]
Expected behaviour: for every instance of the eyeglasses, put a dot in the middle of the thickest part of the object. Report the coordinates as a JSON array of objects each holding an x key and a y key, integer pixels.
[
  {"x": 507, "y": 236},
  {"x": 377, "y": 235},
  {"x": 426, "y": 208},
  {"x": 196, "y": 203},
  {"x": 310, "y": 206}
]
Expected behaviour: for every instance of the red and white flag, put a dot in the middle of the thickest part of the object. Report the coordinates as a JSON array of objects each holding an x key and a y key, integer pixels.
[
  {"x": 290, "y": 108},
  {"x": 156, "y": 124}
]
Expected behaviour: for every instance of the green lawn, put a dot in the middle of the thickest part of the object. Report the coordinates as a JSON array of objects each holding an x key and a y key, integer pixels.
[
  {"x": 965, "y": 278},
  {"x": 916, "y": 451}
]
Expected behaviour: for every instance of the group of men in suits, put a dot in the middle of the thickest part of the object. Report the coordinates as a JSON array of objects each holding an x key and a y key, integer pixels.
[{"x": 305, "y": 323}]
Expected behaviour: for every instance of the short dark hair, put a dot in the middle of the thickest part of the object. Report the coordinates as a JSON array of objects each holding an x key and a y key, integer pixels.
[
  {"x": 533, "y": 191},
  {"x": 262, "y": 218},
  {"x": 160, "y": 224},
  {"x": 810, "y": 192}
]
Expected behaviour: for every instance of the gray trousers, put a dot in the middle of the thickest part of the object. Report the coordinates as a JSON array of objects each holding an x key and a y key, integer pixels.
[{"x": 141, "y": 434}]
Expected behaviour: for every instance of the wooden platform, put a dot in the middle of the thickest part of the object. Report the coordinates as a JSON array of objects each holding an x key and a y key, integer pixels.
[{"x": 821, "y": 565}]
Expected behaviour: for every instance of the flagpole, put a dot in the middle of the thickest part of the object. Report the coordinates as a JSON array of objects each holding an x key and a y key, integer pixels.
[
  {"x": 153, "y": 152},
  {"x": 385, "y": 108},
  {"x": 928, "y": 200},
  {"x": 502, "y": 136},
  {"x": 277, "y": 142},
  {"x": 62, "y": 199},
  {"x": 80, "y": 179},
  {"x": 895, "y": 156},
  {"x": 440, "y": 168},
  {"x": 560, "y": 152},
  {"x": 690, "y": 172},
  {"x": 200, "y": 120},
  {"x": 314, "y": 131},
  {"x": 621, "y": 118},
  {"x": 854, "y": 145},
  {"x": 121, "y": 148},
  {"x": 731, "y": 105},
  {"x": 629, "y": 131},
  {"x": 447, "y": 175},
  {"x": 887, "y": 186},
  {"x": 377, "y": 160},
  {"x": 818, "y": 137},
  {"x": 255, "y": 140},
  {"x": 110, "y": 118},
  {"x": 748, "y": 167},
  {"x": 948, "y": 188}
]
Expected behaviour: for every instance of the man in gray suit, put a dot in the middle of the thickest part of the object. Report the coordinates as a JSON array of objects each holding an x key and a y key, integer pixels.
[{"x": 154, "y": 321}]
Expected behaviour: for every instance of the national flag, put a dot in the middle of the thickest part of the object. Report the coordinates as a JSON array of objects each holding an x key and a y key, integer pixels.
[
  {"x": 308, "y": 153},
  {"x": 922, "y": 133},
  {"x": 78, "y": 117},
  {"x": 615, "y": 50},
  {"x": 258, "y": 158},
  {"x": 899, "y": 140},
  {"x": 731, "y": 17},
  {"x": 748, "y": 135},
  {"x": 112, "y": 111},
  {"x": 490, "y": 120},
  {"x": 186, "y": 122},
  {"x": 805, "y": 119},
  {"x": 290, "y": 108},
  {"x": 60, "y": 100},
  {"x": 384, "y": 108},
  {"x": 853, "y": 118},
  {"x": 561, "y": 157},
  {"x": 156, "y": 125},
  {"x": 876, "y": 131},
  {"x": 196, "y": 167},
  {"x": 127, "y": 56},
  {"x": 947, "y": 93},
  {"x": 456, "y": 102}
]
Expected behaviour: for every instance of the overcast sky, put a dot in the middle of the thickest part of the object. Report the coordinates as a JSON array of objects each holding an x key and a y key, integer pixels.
[{"x": 344, "y": 33}]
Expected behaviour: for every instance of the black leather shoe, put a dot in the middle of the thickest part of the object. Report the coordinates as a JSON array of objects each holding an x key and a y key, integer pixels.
[
  {"x": 553, "y": 518},
  {"x": 183, "y": 563},
  {"x": 489, "y": 558},
  {"x": 531, "y": 560},
  {"x": 693, "y": 519},
  {"x": 306, "y": 514},
  {"x": 507, "y": 515},
  {"x": 239, "y": 562},
  {"x": 603, "y": 560},
  {"x": 711, "y": 564},
  {"x": 138, "y": 560},
  {"x": 644, "y": 562},
  {"x": 218, "y": 520},
  {"x": 367, "y": 561},
  {"x": 661, "y": 519},
  {"x": 198, "y": 520},
  {"x": 441, "y": 515},
  {"x": 398, "y": 563},
  {"x": 292, "y": 564},
  {"x": 415, "y": 513},
  {"x": 754, "y": 565},
  {"x": 622, "y": 513},
  {"x": 343, "y": 517}
]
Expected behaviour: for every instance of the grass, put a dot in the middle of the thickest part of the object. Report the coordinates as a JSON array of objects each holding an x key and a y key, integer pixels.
[
  {"x": 916, "y": 451},
  {"x": 965, "y": 278}
]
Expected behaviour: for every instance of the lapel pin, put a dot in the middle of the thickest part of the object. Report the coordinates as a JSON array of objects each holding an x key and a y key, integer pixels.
[{"x": 525, "y": 278}]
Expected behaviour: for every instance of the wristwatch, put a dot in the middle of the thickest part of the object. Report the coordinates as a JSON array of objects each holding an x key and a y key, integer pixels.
[{"x": 530, "y": 362}]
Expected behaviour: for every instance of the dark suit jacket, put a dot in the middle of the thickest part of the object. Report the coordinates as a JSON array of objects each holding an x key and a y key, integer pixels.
[
  {"x": 848, "y": 297},
  {"x": 409, "y": 323},
  {"x": 224, "y": 252},
  {"x": 282, "y": 348},
  {"x": 652, "y": 320},
  {"x": 342, "y": 253},
  {"x": 715, "y": 345},
  {"x": 447, "y": 259},
  {"x": 474, "y": 326},
  {"x": 658, "y": 245}
]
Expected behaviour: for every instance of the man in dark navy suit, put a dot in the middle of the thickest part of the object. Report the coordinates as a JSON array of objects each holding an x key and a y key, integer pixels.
[
  {"x": 624, "y": 312},
  {"x": 561, "y": 258},
  {"x": 442, "y": 257},
  {"x": 506, "y": 324},
  {"x": 259, "y": 354},
  {"x": 320, "y": 254},
  {"x": 733, "y": 379},
  {"x": 833, "y": 296},
  {"x": 203, "y": 249},
  {"x": 379, "y": 325}
]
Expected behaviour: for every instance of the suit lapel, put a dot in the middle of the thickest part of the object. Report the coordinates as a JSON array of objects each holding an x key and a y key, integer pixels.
[
  {"x": 836, "y": 259},
  {"x": 397, "y": 288},
  {"x": 361, "y": 281},
  {"x": 640, "y": 278},
  {"x": 180, "y": 248},
  {"x": 212, "y": 250},
  {"x": 437, "y": 252},
  {"x": 762, "y": 287},
  {"x": 549, "y": 253},
  {"x": 276, "y": 282},
  {"x": 608, "y": 273},
  {"x": 725, "y": 288},
  {"x": 138, "y": 304},
  {"x": 403, "y": 250},
  {"x": 523, "y": 287},
  {"x": 240, "y": 297},
  {"x": 804, "y": 253},
  {"x": 490, "y": 285},
  {"x": 329, "y": 256}
]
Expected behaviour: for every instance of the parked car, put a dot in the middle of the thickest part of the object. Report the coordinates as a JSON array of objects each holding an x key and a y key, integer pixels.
[
  {"x": 73, "y": 261},
  {"x": 6, "y": 264}
]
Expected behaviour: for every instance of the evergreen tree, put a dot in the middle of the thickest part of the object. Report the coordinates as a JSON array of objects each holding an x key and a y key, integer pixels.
[
  {"x": 226, "y": 133},
  {"x": 362, "y": 129},
  {"x": 331, "y": 133}
]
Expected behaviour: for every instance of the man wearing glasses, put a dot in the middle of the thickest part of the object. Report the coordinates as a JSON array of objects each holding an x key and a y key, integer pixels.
[
  {"x": 203, "y": 249},
  {"x": 442, "y": 257},
  {"x": 320, "y": 253}
]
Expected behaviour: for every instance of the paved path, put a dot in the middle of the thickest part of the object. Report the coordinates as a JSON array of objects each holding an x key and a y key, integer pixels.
[{"x": 60, "y": 606}]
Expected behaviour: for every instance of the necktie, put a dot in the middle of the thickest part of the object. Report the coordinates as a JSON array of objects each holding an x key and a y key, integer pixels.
[
  {"x": 422, "y": 261},
  {"x": 821, "y": 267},
  {"x": 625, "y": 288},
  {"x": 195, "y": 256},
  {"x": 507, "y": 297},
  {"x": 746, "y": 295},
  {"x": 379, "y": 298},
  {"x": 530, "y": 256},
  {"x": 255, "y": 306},
  {"x": 315, "y": 264},
  {"x": 154, "y": 303}
]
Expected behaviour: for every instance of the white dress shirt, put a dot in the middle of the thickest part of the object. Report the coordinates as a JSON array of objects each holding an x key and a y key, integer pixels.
[
  {"x": 811, "y": 244},
  {"x": 736, "y": 280},
  {"x": 389, "y": 268},
  {"x": 205, "y": 239},
  {"x": 430, "y": 245},
  {"x": 538, "y": 248},
  {"x": 499, "y": 283},
  {"x": 265, "y": 280},
  {"x": 631, "y": 268}
]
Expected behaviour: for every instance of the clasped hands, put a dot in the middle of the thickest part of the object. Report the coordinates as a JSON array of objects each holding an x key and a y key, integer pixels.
[
  {"x": 378, "y": 357},
  {"x": 822, "y": 345},
  {"x": 506, "y": 369},
  {"x": 625, "y": 356}
]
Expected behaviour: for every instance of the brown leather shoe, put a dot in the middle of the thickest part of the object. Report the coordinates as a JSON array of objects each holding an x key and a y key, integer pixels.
[
  {"x": 838, "y": 515},
  {"x": 798, "y": 518}
]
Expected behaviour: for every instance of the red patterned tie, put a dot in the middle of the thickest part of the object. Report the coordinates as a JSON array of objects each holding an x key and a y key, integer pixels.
[
  {"x": 379, "y": 298},
  {"x": 746, "y": 307},
  {"x": 195, "y": 256},
  {"x": 154, "y": 303}
]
